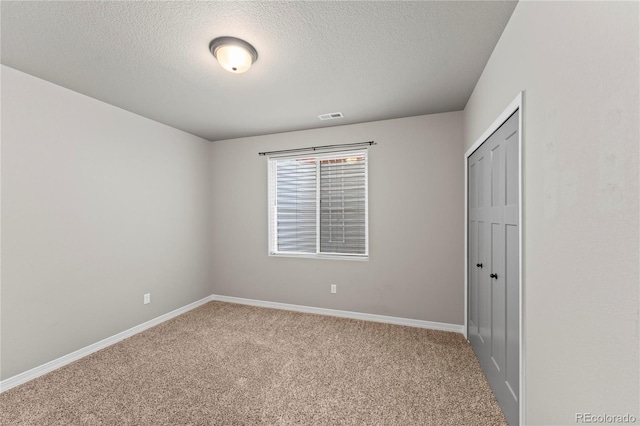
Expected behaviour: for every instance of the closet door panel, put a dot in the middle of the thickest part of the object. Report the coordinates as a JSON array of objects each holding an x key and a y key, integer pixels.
[
  {"x": 512, "y": 278},
  {"x": 498, "y": 314},
  {"x": 473, "y": 278},
  {"x": 484, "y": 300},
  {"x": 494, "y": 299}
]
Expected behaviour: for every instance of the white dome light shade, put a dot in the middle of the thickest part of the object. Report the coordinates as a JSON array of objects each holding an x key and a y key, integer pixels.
[
  {"x": 233, "y": 58},
  {"x": 233, "y": 54}
]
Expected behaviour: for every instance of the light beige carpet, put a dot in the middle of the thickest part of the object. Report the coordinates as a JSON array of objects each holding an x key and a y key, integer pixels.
[{"x": 227, "y": 364}]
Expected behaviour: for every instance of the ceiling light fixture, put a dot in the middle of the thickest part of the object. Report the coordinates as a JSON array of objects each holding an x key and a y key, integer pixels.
[{"x": 235, "y": 55}]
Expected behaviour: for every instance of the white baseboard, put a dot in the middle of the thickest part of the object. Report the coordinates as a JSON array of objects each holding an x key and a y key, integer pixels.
[
  {"x": 344, "y": 314},
  {"x": 21, "y": 378}
]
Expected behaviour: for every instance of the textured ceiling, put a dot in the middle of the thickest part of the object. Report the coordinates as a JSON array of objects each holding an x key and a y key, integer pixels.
[{"x": 368, "y": 60}]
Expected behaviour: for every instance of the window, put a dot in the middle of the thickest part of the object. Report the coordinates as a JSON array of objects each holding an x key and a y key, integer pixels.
[{"x": 318, "y": 205}]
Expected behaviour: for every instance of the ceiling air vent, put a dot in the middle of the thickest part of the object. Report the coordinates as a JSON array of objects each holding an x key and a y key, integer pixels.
[{"x": 330, "y": 116}]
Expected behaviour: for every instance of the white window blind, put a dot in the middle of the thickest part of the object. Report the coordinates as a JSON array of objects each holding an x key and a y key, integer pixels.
[{"x": 318, "y": 205}]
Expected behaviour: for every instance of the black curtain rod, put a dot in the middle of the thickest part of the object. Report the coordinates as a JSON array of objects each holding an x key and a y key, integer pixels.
[{"x": 315, "y": 148}]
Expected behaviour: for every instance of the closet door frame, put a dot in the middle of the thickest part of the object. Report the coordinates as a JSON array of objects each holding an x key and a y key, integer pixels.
[{"x": 515, "y": 105}]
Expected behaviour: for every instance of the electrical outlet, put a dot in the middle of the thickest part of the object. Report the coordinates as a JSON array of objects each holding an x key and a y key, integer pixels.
[
  {"x": 147, "y": 298},
  {"x": 334, "y": 288}
]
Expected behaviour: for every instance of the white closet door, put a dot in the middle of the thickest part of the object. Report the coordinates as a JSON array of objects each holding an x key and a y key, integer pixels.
[{"x": 493, "y": 326}]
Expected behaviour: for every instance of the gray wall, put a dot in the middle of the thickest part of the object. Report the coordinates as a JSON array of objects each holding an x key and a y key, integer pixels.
[
  {"x": 415, "y": 223},
  {"x": 98, "y": 207},
  {"x": 578, "y": 63}
]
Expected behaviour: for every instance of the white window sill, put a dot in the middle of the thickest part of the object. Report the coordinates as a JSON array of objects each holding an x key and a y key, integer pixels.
[{"x": 356, "y": 257}]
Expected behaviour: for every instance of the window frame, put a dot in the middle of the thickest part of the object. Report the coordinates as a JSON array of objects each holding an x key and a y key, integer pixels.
[{"x": 272, "y": 207}]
